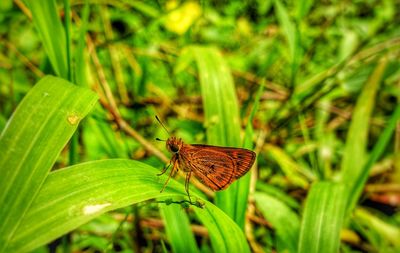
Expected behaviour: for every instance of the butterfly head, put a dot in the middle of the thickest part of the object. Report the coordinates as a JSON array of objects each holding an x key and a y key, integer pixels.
[{"x": 174, "y": 144}]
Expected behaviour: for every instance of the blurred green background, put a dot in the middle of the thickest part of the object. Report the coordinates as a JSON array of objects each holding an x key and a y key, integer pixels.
[{"x": 313, "y": 87}]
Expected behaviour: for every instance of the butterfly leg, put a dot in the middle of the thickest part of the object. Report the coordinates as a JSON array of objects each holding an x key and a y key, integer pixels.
[
  {"x": 170, "y": 174},
  {"x": 187, "y": 184},
  {"x": 165, "y": 168}
]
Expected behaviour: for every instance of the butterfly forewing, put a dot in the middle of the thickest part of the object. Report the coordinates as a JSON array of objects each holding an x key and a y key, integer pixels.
[{"x": 216, "y": 167}]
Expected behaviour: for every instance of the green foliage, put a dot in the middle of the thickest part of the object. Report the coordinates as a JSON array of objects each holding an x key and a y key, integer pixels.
[
  {"x": 52, "y": 33},
  {"x": 311, "y": 86},
  {"x": 323, "y": 218},
  {"x": 31, "y": 143},
  {"x": 74, "y": 195},
  {"x": 221, "y": 119},
  {"x": 177, "y": 228},
  {"x": 225, "y": 234},
  {"x": 285, "y": 221}
]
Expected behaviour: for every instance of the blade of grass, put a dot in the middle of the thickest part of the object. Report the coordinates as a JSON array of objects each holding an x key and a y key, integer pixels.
[
  {"x": 291, "y": 34},
  {"x": 323, "y": 136},
  {"x": 323, "y": 218},
  {"x": 219, "y": 97},
  {"x": 302, "y": 8},
  {"x": 73, "y": 147},
  {"x": 388, "y": 232},
  {"x": 50, "y": 29},
  {"x": 245, "y": 181},
  {"x": 249, "y": 132},
  {"x": 222, "y": 122},
  {"x": 80, "y": 74},
  {"x": 290, "y": 167},
  {"x": 67, "y": 21},
  {"x": 31, "y": 142},
  {"x": 376, "y": 153},
  {"x": 307, "y": 140},
  {"x": 222, "y": 118},
  {"x": 354, "y": 157},
  {"x": 178, "y": 229},
  {"x": 284, "y": 220}
]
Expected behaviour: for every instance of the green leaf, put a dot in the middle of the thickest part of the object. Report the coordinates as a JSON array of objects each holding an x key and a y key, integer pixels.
[
  {"x": 354, "y": 155},
  {"x": 222, "y": 120},
  {"x": 178, "y": 229},
  {"x": 291, "y": 169},
  {"x": 377, "y": 151},
  {"x": 291, "y": 34},
  {"x": 302, "y": 8},
  {"x": 81, "y": 64},
  {"x": 244, "y": 185},
  {"x": 387, "y": 233},
  {"x": 67, "y": 22},
  {"x": 31, "y": 142},
  {"x": 72, "y": 196},
  {"x": 219, "y": 97},
  {"x": 287, "y": 25},
  {"x": 51, "y": 31},
  {"x": 323, "y": 218},
  {"x": 225, "y": 234},
  {"x": 278, "y": 193},
  {"x": 284, "y": 220}
]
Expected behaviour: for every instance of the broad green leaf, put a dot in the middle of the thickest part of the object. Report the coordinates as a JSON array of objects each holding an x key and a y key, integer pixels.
[
  {"x": 285, "y": 221},
  {"x": 178, "y": 229},
  {"x": 31, "y": 142},
  {"x": 219, "y": 97},
  {"x": 354, "y": 155},
  {"x": 323, "y": 218},
  {"x": 225, "y": 234},
  {"x": 222, "y": 120},
  {"x": 51, "y": 31},
  {"x": 72, "y": 196}
]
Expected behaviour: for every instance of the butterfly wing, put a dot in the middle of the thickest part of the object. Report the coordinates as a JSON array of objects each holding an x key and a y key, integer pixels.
[{"x": 217, "y": 167}]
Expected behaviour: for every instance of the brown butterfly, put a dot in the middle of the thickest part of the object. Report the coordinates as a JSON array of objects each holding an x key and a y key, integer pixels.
[{"x": 216, "y": 167}]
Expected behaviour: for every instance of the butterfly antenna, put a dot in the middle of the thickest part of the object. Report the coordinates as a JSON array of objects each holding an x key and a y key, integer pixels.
[
  {"x": 158, "y": 139},
  {"x": 159, "y": 121}
]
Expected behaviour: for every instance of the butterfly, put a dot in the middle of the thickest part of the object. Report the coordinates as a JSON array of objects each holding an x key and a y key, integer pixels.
[{"x": 216, "y": 167}]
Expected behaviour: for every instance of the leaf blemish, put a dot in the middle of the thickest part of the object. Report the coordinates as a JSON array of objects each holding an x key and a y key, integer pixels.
[
  {"x": 73, "y": 119},
  {"x": 91, "y": 209}
]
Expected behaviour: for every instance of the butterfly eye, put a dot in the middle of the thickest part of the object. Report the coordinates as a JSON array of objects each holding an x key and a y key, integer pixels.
[{"x": 174, "y": 148}]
